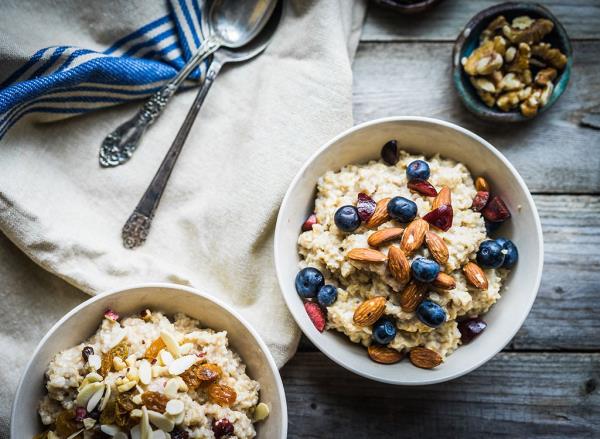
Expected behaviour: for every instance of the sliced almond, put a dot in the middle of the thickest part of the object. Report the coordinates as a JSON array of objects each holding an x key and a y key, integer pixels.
[
  {"x": 437, "y": 247},
  {"x": 386, "y": 235},
  {"x": 145, "y": 372},
  {"x": 380, "y": 215},
  {"x": 383, "y": 354},
  {"x": 366, "y": 255},
  {"x": 174, "y": 407},
  {"x": 481, "y": 184},
  {"x": 94, "y": 361},
  {"x": 443, "y": 197},
  {"x": 110, "y": 430},
  {"x": 414, "y": 235},
  {"x": 475, "y": 275},
  {"x": 261, "y": 412},
  {"x": 444, "y": 281},
  {"x": 172, "y": 387},
  {"x": 91, "y": 377},
  {"x": 160, "y": 421},
  {"x": 182, "y": 364},
  {"x": 398, "y": 265},
  {"x": 369, "y": 311},
  {"x": 74, "y": 435},
  {"x": 425, "y": 358},
  {"x": 87, "y": 392},
  {"x": 411, "y": 296},
  {"x": 106, "y": 397},
  {"x": 145, "y": 428},
  {"x": 170, "y": 342}
]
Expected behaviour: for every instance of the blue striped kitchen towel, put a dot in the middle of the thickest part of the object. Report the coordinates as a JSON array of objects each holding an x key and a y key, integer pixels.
[{"x": 93, "y": 55}]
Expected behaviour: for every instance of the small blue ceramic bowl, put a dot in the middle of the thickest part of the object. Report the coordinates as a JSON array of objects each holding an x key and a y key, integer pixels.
[{"x": 468, "y": 41}]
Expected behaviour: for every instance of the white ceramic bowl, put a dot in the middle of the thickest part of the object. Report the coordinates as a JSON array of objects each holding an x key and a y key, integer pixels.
[
  {"x": 83, "y": 321},
  {"x": 427, "y": 136}
]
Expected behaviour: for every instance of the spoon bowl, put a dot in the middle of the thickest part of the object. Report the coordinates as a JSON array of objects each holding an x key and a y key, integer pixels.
[{"x": 237, "y": 22}]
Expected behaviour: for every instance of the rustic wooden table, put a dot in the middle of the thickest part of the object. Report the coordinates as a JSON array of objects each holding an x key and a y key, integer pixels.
[{"x": 547, "y": 382}]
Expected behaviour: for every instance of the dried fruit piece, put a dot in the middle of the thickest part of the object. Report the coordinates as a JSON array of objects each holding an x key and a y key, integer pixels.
[
  {"x": 369, "y": 311},
  {"x": 437, "y": 247},
  {"x": 444, "y": 281},
  {"x": 480, "y": 201},
  {"x": 414, "y": 235},
  {"x": 383, "y": 236},
  {"x": 146, "y": 315},
  {"x": 380, "y": 215},
  {"x": 179, "y": 434},
  {"x": 65, "y": 424},
  {"x": 221, "y": 394},
  {"x": 425, "y": 358},
  {"x": 389, "y": 153},
  {"x": 423, "y": 187},
  {"x": 366, "y": 255},
  {"x": 107, "y": 416},
  {"x": 411, "y": 296},
  {"x": 201, "y": 375},
  {"x": 398, "y": 265},
  {"x": 470, "y": 328},
  {"x": 383, "y": 354},
  {"x": 222, "y": 428},
  {"x": 155, "y": 401},
  {"x": 316, "y": 315},
  {"x": 123, "y": 407},
  {"x": 309, "y": 223},
  {"x": 444, "y": 197},
  {"x": 111, "y": 315},
  {"x": 496, "y": 211},
  {"x": 475, "y": 275},
  {"x": 366, "y": 206},
  {"x": 155, "y": 347},
  {"x": 440, "y": 217},
  {"x": 86, "y": 352}
]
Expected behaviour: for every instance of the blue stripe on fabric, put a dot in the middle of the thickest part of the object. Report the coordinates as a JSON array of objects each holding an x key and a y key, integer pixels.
[
  {"x": 141, "y": 31},
  {"x": 198, "y": 12},
  {"x": 105, "y": 90},
  {"x": 57, "y": 53},
  {"x": 190, "y": 23},
  {"x": 36, "y": 56},
  {"x": 72, "y": 57},
  {"x": 182, "y": 40},
  {"x": 151, "y": 42}
]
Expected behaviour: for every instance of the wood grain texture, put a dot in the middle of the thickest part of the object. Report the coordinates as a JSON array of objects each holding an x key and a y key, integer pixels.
[
  {"x": 514, "y": 395},
  {"x": 414, "y": 79},
  {"x": 581, "y": 19}
]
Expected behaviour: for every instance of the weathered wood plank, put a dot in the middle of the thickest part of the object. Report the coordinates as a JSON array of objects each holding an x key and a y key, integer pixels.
[
  {"x": 581, "y": 19},
  {"x": 516, "y": 395},
  {"x": 552, "y": 152}
]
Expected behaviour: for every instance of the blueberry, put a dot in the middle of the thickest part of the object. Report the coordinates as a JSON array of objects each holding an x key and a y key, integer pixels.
[
  {"x": 384, "y": 330},
  {"x": 431, "y": 313},
  {"x": 511, "y": 255},
  {"x": 327, "y": 295},
  {"x": 417, "y": 169},
  {"x": 490, "y": 254},
  {"x": 425, "y": 270},
  {"x": 402, "y": 209},
  {"x": 308, "y": 282},
  {"x": 346, "y": 218}
]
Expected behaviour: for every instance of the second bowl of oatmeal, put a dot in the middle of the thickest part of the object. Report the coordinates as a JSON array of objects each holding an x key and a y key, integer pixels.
[{"x": 411, "y": 251}]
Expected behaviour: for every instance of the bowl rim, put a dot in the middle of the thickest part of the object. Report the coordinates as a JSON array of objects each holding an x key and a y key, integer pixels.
[
  {"x": 470, "y": 99},
  {"x": 135, "y": 286},
  {"x": 314, "y": 337}
]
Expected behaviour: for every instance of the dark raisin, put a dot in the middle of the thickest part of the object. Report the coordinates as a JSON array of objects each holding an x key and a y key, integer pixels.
[
  {"x": 222, "y": 428},
  {"x": 389, "y": 153},
  {"x": 179, "y": 434},
  {"x": 86, "y": 352}
]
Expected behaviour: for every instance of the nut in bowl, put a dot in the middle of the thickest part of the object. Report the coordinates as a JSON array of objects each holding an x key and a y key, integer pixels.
[
  {"x": 146, "y": 362},
  {"x": 512, "y": 62},
  {"x": 419, "y": 264}
]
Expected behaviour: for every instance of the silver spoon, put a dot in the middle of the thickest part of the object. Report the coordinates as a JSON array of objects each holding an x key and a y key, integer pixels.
[
  {"x": 231, "y": 24},
  {"x": 135, "y": 231}
]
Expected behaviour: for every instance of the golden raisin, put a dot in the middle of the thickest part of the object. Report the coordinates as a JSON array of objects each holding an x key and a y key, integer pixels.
[
  {"x": 201, "y": 375},
  {"x": 155, "y": 401},
  {"x": 221, "y": 394},
  {"x": 121, "y": 350},
  {"x": 107, "y": 416},
  {"x": 65, "y": 423},
  {"x": 123, "y": 407},
  {"x": 155, "y": 347}
]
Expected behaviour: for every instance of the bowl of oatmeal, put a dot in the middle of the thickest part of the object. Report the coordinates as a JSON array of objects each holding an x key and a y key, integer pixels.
[
  {"x": 151, "y": 361},
  {"x": 409, "y": 250}
]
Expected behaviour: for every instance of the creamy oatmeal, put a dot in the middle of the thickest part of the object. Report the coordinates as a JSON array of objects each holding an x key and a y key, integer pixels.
[
  {"x": 429, "y": 277},
  {"x": 147, "y": 377}
]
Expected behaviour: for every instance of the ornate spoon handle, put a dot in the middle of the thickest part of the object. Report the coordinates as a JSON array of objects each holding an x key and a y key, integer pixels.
[
  {"x": 119, "y": 146},
  {"x": 135, "y": 231}
]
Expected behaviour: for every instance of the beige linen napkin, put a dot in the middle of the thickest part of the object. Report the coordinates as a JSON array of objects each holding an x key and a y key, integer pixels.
[{"x": 214, "y": 227}]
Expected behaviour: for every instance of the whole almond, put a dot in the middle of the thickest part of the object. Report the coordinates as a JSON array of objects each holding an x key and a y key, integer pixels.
[
  {"x": 425, "y": 358},
  {"x": 443, "y": 197},
  {"x": 380, "y": 215},
  {"x": 411, "y": 296},
  {"x": 383, "y": 354},
  {"x": 398, "y": 265},
  {"x": 369, "y": 311},
  {"x": 414, "y": 235},
  {"x": 437, "y": 247},
  {"x": 475, "y": 275},
  {"x": 382, "y": 236},
  {"x": 366, "y": 255},
  {"x": 444, "y": 281},
  {"x": 481, "y": 184}
]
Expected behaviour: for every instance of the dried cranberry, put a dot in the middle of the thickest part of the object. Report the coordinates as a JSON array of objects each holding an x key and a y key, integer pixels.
[
  {"x": 80, "y": 414},
  {"x": 309, "y": 223},
  {"x": 86, "y": 352},
  {"x": 365, "y": 206},
  {"x": 423, "y": 187},
  {"x": 111, "y": 315},
  {"x": 480, "y": 200},
  {"x": 471, "y": 328},
  {"x": 440, "y": 217},
  {"x": 316, "y": 315},
  {"x": 496, "y": 211},
  {"x": 179, "y": 434},
  {"x": 389, "y": 153},
  {"x": 222, "y": 428}
]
